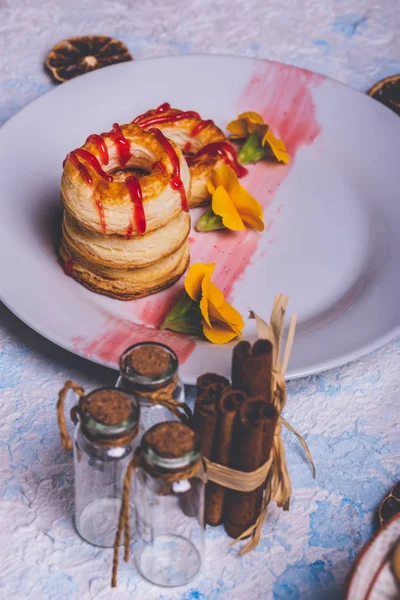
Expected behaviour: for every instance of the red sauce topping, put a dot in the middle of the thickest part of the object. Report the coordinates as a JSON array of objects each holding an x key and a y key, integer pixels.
[
  {"x": 224, "y": 149},
  {"x": 176, "y": 182},
  {"x": 159, "y": 165},
  {"x": 171, "y": 118},
  {"x": 129, "y": 231},
  {"x": 100, "y": 208},
  {"x": 160, "y": 109},
  {"x": 81, "y": 168},
  {"x": 163, "y": 107},
  {"x": 123, "y": 145},
  {"x": 92, "y": 160},
  {"x": 200, "y": 126},
  {"x": 69, "y": 266},
  {"x": 135, "y": 191},
  {"x": 101, "y": 147},
  {"x": 187, "y": 147}
]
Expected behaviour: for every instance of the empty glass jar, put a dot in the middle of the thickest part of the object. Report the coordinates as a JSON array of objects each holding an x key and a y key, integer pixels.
[
  {"x": 106, "y": 435},
  {"x": 150, "y": 370},
  {"x": 169, "y": 500}
]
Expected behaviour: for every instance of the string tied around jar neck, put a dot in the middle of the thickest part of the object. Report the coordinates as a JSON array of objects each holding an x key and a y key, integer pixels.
[
  {"x": 150, "y": 369},
  {"x": 109, "y": 417}
]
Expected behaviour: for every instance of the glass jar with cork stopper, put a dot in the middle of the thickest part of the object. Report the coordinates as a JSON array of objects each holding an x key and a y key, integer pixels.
[
  {"x": 169, "y": 500},
  {"x": 150, "y": 370},
  {"x": 105, "y": 439}
]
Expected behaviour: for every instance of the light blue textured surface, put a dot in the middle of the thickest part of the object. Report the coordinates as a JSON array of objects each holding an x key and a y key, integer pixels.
[{"x": 349, "y": 415}]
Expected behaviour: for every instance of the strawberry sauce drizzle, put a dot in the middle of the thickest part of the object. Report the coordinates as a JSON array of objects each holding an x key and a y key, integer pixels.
[
  {"x": 176, "y": 182},
  {"x": 81, "y": 168},
  {"x": 171, "y": 118},
  {"x": 156, "y": 111},
  {"x": 223, "y": 149},
  {"x": 92, "y": 160},
  {"x": 101, "y": 147},
  {"x": 69, "y": 266},
  {"x": 100, "y": 209},
  {"x": 85, "y": 155},
  {"x": 200, "y": 126},
  {"x": 159, "y": 165},
  {"x": 135, "y": 192},
  {"x": 123, "y": 145}
]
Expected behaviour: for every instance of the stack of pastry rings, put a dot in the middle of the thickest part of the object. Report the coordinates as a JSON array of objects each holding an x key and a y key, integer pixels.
[
  {"x": 203, "y": 143},
  {"x": 125, "y": 225}
]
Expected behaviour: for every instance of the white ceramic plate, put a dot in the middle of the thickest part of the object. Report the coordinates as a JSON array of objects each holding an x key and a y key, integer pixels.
[
  {"x": 372, "y": 576},
  {"x": 332, "y": 239}
]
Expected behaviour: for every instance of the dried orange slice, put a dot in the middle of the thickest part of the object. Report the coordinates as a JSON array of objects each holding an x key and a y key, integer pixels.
[
  {"x": 79, "y": 55},
  {"x": 387, "y": 91}
]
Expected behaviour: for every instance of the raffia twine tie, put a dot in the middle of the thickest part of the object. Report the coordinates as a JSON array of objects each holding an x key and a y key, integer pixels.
[
  {"x": 123, "y": 520},
  {"x": 164, "y": 397}
]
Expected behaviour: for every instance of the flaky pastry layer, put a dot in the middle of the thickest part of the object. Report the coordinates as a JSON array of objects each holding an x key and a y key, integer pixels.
[{"x": 125, "y": 284}]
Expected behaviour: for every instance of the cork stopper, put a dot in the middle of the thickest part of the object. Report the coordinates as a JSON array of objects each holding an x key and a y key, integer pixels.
[
  {"x": 170, "y": 441},
  {"x": 109, "y": 407},
  {"x": 147, "y": 366},
  {"x": 150, "y": 360},
  {"x": 109, "y": 413}
]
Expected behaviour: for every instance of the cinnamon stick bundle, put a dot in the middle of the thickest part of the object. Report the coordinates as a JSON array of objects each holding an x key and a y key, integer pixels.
[
  {"x": 252, "y": 368},
  {"x": 252, "y": 448},
  {"x": 204, "y": 381},
  {"x": 228, "y": 406},
  {"x": 206, "y": 415}
]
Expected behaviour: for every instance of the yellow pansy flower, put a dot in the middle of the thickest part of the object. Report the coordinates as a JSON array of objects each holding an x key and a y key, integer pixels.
[
  {"x": 232, "y": 206},
  {"x": 259, "y": 138},
  {"x": 221, "y": 322},
  {"x": 247, "y": 123},
  {"x": 203, "y": 309}
]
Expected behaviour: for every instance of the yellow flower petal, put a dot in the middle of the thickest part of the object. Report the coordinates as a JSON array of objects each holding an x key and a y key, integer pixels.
[
  {"x": 252, "y": 117},
  {"x": 222, "y": 312},
  {"x": 247, "y": 123},
  {"x": 277, "y": 146},
  {"x": 205, "y": 285},
  {"x": 211, "y": 186},
  {"x": 250, "y": 211},
  {"x": 233, "y": 203},
  {"x": 238, "y": 128},
  {"x": 221, "y": 334},
  {"x": 221, "y": 322},
  {"x": 223, "y": 206},
  {"x": 253, "y": 221},
  {"x": 194, "y": 279},
  {"x": 226, "y": 177}
]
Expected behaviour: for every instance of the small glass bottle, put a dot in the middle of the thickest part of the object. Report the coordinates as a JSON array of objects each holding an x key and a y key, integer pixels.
[
  {"x": 150, "y": 370},
  {"x": 169, "y": 500},
  {"x": 106, "y": 436}
]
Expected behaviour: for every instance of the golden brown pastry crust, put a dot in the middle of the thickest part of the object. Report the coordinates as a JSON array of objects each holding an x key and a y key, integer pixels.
[
  {"x": 119, "y": 252},
  {"x": 125, "y": 284},
  {"x": 161, "y": 202},
  {"x": 180, "y": 132}
]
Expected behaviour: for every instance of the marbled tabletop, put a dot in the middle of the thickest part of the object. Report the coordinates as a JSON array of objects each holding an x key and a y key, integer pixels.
[{"x": 349, "y": 416}]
